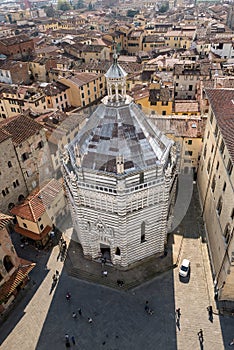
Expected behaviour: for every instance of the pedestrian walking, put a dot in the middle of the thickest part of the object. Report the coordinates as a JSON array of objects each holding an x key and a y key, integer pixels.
[
  {"x": 210, "y": 313},
  {"x": 57, "y": 273},
  {"x": 90, "y": 320},
  {"x": 104, "y": 273},
  {"x": 67, "y": 341},
  {"x": 200, "y": 336},
  {"x": 74, "y": 315},
  {"x": 68, "y": 296},
  {"x": 73, "y": 340},
  {"x": 178, "y": 313},
  {"x": 79, "y": 311},
  {"x": 146, "y": 306},
  {"x": 232, "y": 342}
]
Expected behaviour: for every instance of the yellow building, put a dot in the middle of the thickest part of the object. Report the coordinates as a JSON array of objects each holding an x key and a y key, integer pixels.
[
  {"x": 216, "y": 184},
  {"x": 85, "y": 88},
  {"x": 177, "y": 39},
  {"x": 134, "y": 41},
  {"x": 188, "y": 133}
]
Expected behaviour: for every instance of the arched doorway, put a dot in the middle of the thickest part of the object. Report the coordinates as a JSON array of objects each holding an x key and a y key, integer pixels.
[{"x": 7, "y": 263}]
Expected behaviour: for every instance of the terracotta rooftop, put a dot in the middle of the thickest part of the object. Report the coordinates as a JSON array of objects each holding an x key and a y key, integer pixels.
[
  {"x": 222, "y": 105},
  {"x": 187, "y": 106},
  {"x": 20, "y": 128},
  {"x": 83, "y": 78},
  {"x": 37, "y": 202},
  {"x": 3, "y": 135},
  {"x": 13, "y": 40}
]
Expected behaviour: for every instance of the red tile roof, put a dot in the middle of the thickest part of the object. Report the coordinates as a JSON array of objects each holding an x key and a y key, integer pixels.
[
  {"x": 37, "y": 202},
  {"x": 222, "y": 105},
  {"x": 20, "y": 128},
  {"x": 16, "y": 278}
]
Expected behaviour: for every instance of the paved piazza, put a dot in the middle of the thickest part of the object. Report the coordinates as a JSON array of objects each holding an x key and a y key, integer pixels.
[
  {"x": 40, "y": 320},
  {"x": 119, "y": 319}
]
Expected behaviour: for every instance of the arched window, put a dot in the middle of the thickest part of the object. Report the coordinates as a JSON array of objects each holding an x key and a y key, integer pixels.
[
  {"x": 219, "y": 205},
  {"x": 227, "y": 233},
  {"x": 143, "y": 232},
  {"x": 117, "y": 251},
  {"x": 7, "y": 263},
  {"x": 213, "y": 183},
  {"x": 10, "y": 206},
  {"x": 20, "y": 198},
  {"x": 40, "y": 144}
]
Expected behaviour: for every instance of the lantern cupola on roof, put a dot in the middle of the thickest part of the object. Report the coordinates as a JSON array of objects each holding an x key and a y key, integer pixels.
[{"x": 116, "y": 82}]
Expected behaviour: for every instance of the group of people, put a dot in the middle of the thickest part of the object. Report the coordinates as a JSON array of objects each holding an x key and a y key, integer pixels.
[
  {"x": 67, "y": 340},
  {"x": 62, "y": 249}
]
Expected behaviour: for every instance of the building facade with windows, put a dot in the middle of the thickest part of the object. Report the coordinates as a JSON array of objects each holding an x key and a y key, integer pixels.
[
  {"x": 31, "y": 148},
  {"x": 120, "y": 175},
  {"x": 216, "y": 188},
  {"x": 85, "y": 88},
  {"x": 12, "y": 183}
]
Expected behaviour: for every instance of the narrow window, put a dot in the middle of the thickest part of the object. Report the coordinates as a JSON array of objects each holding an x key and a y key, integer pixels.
[
  {"x": 229, "y": 167},
  {"x": 213, "y": 183},
  {"x": 227, "y": 233},
  {"x": 143, "y": 232},
  {"x": 219, "y": 206},
  {"x": 204, "y": 152},
  {"x": 224, "y": 186},
  {"x": 222, "y": 147},
  {"x": 208, "y": 166}
]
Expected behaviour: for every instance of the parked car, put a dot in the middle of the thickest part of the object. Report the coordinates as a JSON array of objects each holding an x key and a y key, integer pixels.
[{"x": 184, "y": 268}]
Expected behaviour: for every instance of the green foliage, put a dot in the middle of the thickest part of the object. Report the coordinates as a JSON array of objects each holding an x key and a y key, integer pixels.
[
  {"x": 79, "y": 5},
  {"x": 49, "y": 10},
  {"x": 90, "y": 7},
  {"x": 164, "y": 7},
  {"x": 132, "y": 13},
  {"x": 63, "y": 5}
]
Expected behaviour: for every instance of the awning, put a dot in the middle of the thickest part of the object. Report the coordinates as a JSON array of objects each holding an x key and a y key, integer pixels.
[{"x": 15, "y": 279}]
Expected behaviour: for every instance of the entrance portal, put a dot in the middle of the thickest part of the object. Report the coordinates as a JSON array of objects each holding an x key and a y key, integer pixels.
[{"x": 105, "y": 250}]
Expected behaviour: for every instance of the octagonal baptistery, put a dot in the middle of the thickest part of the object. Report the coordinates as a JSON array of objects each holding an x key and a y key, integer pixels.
[{"x": 120, "y": 175}]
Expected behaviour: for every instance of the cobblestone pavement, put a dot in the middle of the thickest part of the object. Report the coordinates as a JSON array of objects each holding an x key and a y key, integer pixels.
[{"x": 40, "y": 320}]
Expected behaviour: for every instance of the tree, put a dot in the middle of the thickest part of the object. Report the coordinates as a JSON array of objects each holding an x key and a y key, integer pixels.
[
  {"x": 90, "y": 7},
  {"x": 132, "y": 13},
  {"x": 63, "y": 5},
  {"x": 80, "y": 4},
  {"x": 49, "y": 10},
  {"x": 164, "y": 7}
]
